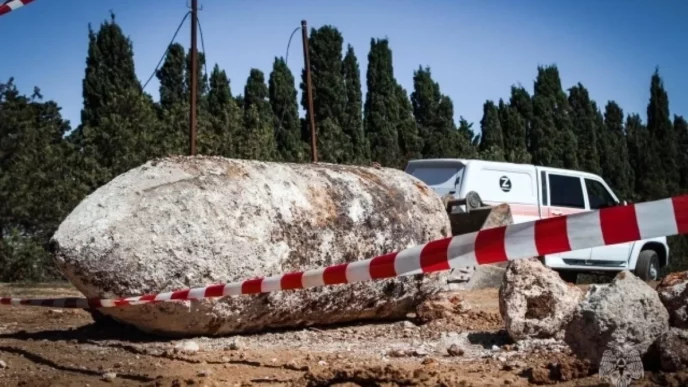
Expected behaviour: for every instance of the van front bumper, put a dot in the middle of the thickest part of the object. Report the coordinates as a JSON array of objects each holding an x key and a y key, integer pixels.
[{"x": 558, "y": 263}]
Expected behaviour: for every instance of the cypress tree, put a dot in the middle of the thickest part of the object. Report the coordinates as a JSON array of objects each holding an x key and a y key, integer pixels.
[
  {"x": 201, "y": 76},
  {"x": 258, "y": 139},
  {"x": 329, "y": 95},
  {"x": 552, "y": 140},
  {"x": 410, "y": 142},
  {"x": 491, "y": 138},
  {"x": 681, "y": 130},
  {"x": 381, "y": 102},
  {"x": 352, "y": 125},
  {"x": 522, "y": 103},
  {"x": 514, "y": 130},
  {"x": 285, "y": 110},
  {"x": 224, "y": 116},
  {"x": 664, "y": 141},
  {"x": 616, "y": 166},
  {"x": 171, "y": 76},
  {"x": 585, "y": 128},
  {"x": 646, "y": 164},
  {"x": 118, "y": 120},
  {"x": 434, "y": 114}
]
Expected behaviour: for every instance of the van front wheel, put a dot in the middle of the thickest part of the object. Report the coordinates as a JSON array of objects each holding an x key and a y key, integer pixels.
[{"x": 647, "y": 267}]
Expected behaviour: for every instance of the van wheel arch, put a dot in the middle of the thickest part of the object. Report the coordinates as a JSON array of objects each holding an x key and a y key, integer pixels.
[
  {"x": 648, "y": 265},
  {"x": 657, "y": 248}
]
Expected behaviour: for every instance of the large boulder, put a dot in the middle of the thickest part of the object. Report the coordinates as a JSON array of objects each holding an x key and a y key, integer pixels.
[
  {"x": 190, "y": 221},
  {"x": 673, "y": 350},
  {"x": 534, "y": 301},
  {"x": 673, "y": 291},
  {"x": 626, "y": 314}
]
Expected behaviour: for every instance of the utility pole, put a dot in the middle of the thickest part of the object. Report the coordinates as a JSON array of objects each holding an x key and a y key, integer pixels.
[
  {"x": 194, "y": 78},
  {"x": 309, "y": 91}
]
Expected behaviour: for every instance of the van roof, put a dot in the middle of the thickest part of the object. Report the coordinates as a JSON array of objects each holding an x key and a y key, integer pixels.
[{"x": 495, "y": 164}]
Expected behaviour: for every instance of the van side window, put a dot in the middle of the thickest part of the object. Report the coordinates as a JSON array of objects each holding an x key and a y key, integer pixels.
[
  {"x": 566, "y": 191},
  {"x": 598, "y": 196}
]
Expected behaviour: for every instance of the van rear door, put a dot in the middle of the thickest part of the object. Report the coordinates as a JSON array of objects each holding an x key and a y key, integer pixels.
[
  {"x": 566, "y": 197},
  {"x": 600, "y": 196},
  {"x": 443, "y": 176}
]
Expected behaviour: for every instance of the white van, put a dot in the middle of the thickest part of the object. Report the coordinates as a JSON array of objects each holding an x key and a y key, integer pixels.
[{"x": 540, "y": 192}]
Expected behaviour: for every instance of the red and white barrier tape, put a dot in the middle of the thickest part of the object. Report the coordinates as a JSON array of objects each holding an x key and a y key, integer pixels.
[
  {"x": 515, "y": 241},
  {"x": 11, "y": 5}
]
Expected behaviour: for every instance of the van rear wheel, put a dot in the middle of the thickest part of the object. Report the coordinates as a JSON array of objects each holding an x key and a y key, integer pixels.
[{"x": 647, "y": 267}]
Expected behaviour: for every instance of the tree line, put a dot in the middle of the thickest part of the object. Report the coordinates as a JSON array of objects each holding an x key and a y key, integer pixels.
[{"x": 47, "y": 167}]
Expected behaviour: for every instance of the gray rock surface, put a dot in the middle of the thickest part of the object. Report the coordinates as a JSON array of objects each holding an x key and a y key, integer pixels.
[
  {"x": 673, "y": 350},
  {"x": 185, "y": 222},
  {"x": 534, "y": 301},
  {"x": 626, "y": 314},
  {"x": 475, "y": 278},
  {"x": 673, "y": 291}
]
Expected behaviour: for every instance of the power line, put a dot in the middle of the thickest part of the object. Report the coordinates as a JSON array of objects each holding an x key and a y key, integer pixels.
[
  {"x": 286, "y": 63},
  {"x": 286, "y": 57},
  {"x": 205, "y": 62},
  {"x": 167, "y": 49}
]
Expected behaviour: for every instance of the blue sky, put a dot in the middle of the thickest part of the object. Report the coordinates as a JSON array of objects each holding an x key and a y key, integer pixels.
[{"x": 476, "y": 49}]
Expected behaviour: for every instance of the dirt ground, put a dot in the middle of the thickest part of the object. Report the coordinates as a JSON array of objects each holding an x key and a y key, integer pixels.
[{"x": 48, "y": 347}]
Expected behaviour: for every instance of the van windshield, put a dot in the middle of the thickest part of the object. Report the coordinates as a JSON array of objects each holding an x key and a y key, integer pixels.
[{"x": 436, "y": 175}]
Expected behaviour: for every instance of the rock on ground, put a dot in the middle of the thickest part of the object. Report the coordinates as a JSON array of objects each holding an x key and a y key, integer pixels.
[
  {"x": 673, "y": 291},
  {"x": 441, "y": 306},
  {"x": 626, "y": 314},
  {"x": 534, "y": 301},
  {"x": 485, "y": 276},
  {"x": 673, "y": 350},
  {"x": 191, "y": 221},
  {"x": 476, "y": 278}
]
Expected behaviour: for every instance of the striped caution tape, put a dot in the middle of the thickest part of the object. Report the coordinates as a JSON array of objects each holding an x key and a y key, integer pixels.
[
  {"x": 515, "y": 241},
  {"x": 11, "y": 5}
]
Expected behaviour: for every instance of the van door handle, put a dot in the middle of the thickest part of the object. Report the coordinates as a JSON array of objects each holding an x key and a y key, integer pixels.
[{"x": 557, "y": 213}]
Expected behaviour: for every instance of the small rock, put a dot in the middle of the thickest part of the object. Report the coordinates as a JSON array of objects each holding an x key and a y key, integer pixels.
[
  {"x": 441, "y": 306},
  {"x": 3, "y": 364},
  {"x": 428, "y": 361},
  {"x": 235, "y": 344},
  {"x": 626, "y": 314},
  {"x": 396, "y": 352},
  {"x": 109, "y": 376},
  {"x": 455, "y": 350},
  {"x": 187, "y": 347},
  {"x": 673, "y": 291},
  {"x": 322, "y": 363},
  {"x": 673, "y": 350},
  {"x": 534, "y": 301},
  {"x": 420, "y": 352},
  {"x": 204, "y": 373}
]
